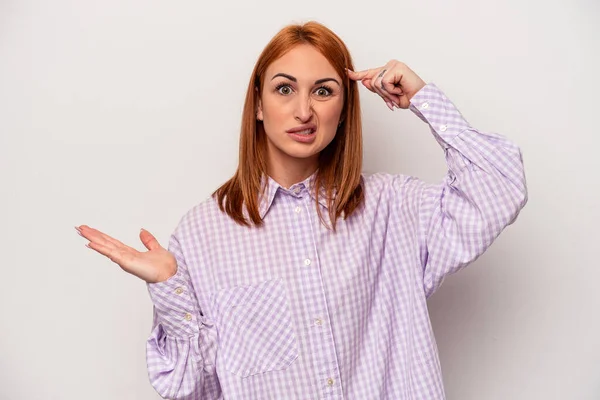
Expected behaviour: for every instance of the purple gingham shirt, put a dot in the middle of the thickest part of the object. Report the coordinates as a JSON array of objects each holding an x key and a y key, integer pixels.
[{"x": 293, "y": 310}]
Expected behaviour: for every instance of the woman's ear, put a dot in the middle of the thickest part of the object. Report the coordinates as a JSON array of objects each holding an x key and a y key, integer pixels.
[{"x": 259, "y": 112}]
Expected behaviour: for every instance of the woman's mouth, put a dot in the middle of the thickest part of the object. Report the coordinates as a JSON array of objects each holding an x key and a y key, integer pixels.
[{"x": 303, "y": 134}]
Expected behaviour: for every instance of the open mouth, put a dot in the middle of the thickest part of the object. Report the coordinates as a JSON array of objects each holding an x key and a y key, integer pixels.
[
  {"x": 306, "y": 132},
  {"x": 307, "y": 135}
]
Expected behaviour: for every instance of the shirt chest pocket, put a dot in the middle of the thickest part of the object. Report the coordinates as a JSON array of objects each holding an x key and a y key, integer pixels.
[{"x": 255, "y": 328}]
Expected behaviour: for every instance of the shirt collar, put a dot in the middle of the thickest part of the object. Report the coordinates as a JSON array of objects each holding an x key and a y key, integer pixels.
[{"x": 271, "y": 188}]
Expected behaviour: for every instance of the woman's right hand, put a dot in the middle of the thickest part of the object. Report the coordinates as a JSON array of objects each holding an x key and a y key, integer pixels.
[{"x": 155, "y": 265}]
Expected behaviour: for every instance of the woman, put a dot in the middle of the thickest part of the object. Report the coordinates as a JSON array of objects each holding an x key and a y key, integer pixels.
[{"x": 300, "y": 278}]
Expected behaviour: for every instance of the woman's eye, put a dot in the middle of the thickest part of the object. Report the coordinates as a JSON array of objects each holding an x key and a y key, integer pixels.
[
  {"x": 285, "y": 89},
  {"x": 323, "y": 91}
]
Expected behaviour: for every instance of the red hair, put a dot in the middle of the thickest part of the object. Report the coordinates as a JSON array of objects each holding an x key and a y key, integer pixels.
[{"x": 340, "y": 163}]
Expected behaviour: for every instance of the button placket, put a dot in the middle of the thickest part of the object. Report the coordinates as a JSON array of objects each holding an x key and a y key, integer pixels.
[{"x": 322, "y": 350}]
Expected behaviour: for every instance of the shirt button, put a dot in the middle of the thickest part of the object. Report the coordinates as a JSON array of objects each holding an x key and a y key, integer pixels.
[
  {"x": 297, "y": 209},
  {"x": 188, "y": 316},
  {"x": 307, "y": 262},
  {"x": 424, "y": 106},
  {"x": 179, "y": 290},
  {"x": 297, "y": 189},
  {"x": 329, "y": 382},
  {"x": 443, "y": 128},
  {"x": 318, "y": 321}
]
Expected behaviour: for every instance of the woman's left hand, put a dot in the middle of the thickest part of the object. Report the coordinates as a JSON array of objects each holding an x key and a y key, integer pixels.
[{"x": 395, "y": 82}]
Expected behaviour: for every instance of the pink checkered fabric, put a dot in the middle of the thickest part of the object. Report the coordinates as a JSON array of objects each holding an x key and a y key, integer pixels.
[{"x": 293, "y": 310}]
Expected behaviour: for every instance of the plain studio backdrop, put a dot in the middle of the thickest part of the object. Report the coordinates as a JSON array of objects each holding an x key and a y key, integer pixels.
[{"x": 125, "y": 114}]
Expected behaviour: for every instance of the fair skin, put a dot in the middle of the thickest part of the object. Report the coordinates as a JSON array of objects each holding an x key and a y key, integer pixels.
[
  {"x": 301, "y": 90},
  {"x": 291, "y": 101}
]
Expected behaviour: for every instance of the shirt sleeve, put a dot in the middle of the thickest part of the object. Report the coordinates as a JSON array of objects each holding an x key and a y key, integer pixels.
[
  {"x": 181, "y": 349},
  {"x": 482, "y": 193}
]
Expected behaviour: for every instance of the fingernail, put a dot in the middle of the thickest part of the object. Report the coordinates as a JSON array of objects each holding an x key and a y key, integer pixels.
[
  {"x": 88, "y": 246},
  {"x": 389, "y": 104}
]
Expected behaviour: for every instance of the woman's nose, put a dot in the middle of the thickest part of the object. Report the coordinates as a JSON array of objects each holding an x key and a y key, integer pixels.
[{"x": 304, "y": 109}]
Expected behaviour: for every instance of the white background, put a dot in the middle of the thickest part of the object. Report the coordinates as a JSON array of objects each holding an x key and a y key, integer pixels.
[{"x": 124, "y": 114}]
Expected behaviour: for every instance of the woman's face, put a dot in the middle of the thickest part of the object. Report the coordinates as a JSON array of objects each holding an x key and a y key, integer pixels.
[{"x": 301, "y": 104}]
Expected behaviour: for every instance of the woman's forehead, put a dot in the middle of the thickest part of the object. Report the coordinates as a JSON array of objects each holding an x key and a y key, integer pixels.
[{"x": 303, "y": 62}]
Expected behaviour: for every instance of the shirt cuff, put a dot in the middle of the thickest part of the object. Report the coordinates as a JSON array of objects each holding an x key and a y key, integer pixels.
[
  {"x": 175, "y": 305},
  {"x": 433, "y": 107}
]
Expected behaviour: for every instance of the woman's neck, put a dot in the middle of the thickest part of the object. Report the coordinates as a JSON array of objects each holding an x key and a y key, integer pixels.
[{"x": 291, "y": 173}]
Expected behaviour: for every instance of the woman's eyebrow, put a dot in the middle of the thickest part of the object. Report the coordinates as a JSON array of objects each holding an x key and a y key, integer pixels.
[
  {"x": 291, "y": 78},
  {"x": 326, "y": 80}
]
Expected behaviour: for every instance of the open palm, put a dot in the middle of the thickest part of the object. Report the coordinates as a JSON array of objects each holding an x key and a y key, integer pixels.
[{"x": 155, "y": 265}]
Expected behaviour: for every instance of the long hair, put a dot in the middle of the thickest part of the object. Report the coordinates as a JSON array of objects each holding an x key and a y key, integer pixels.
[{"x": 340, "y": 163}]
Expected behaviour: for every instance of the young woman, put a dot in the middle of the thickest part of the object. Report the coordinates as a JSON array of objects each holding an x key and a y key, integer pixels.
[{"x": 301, "y": 278}]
